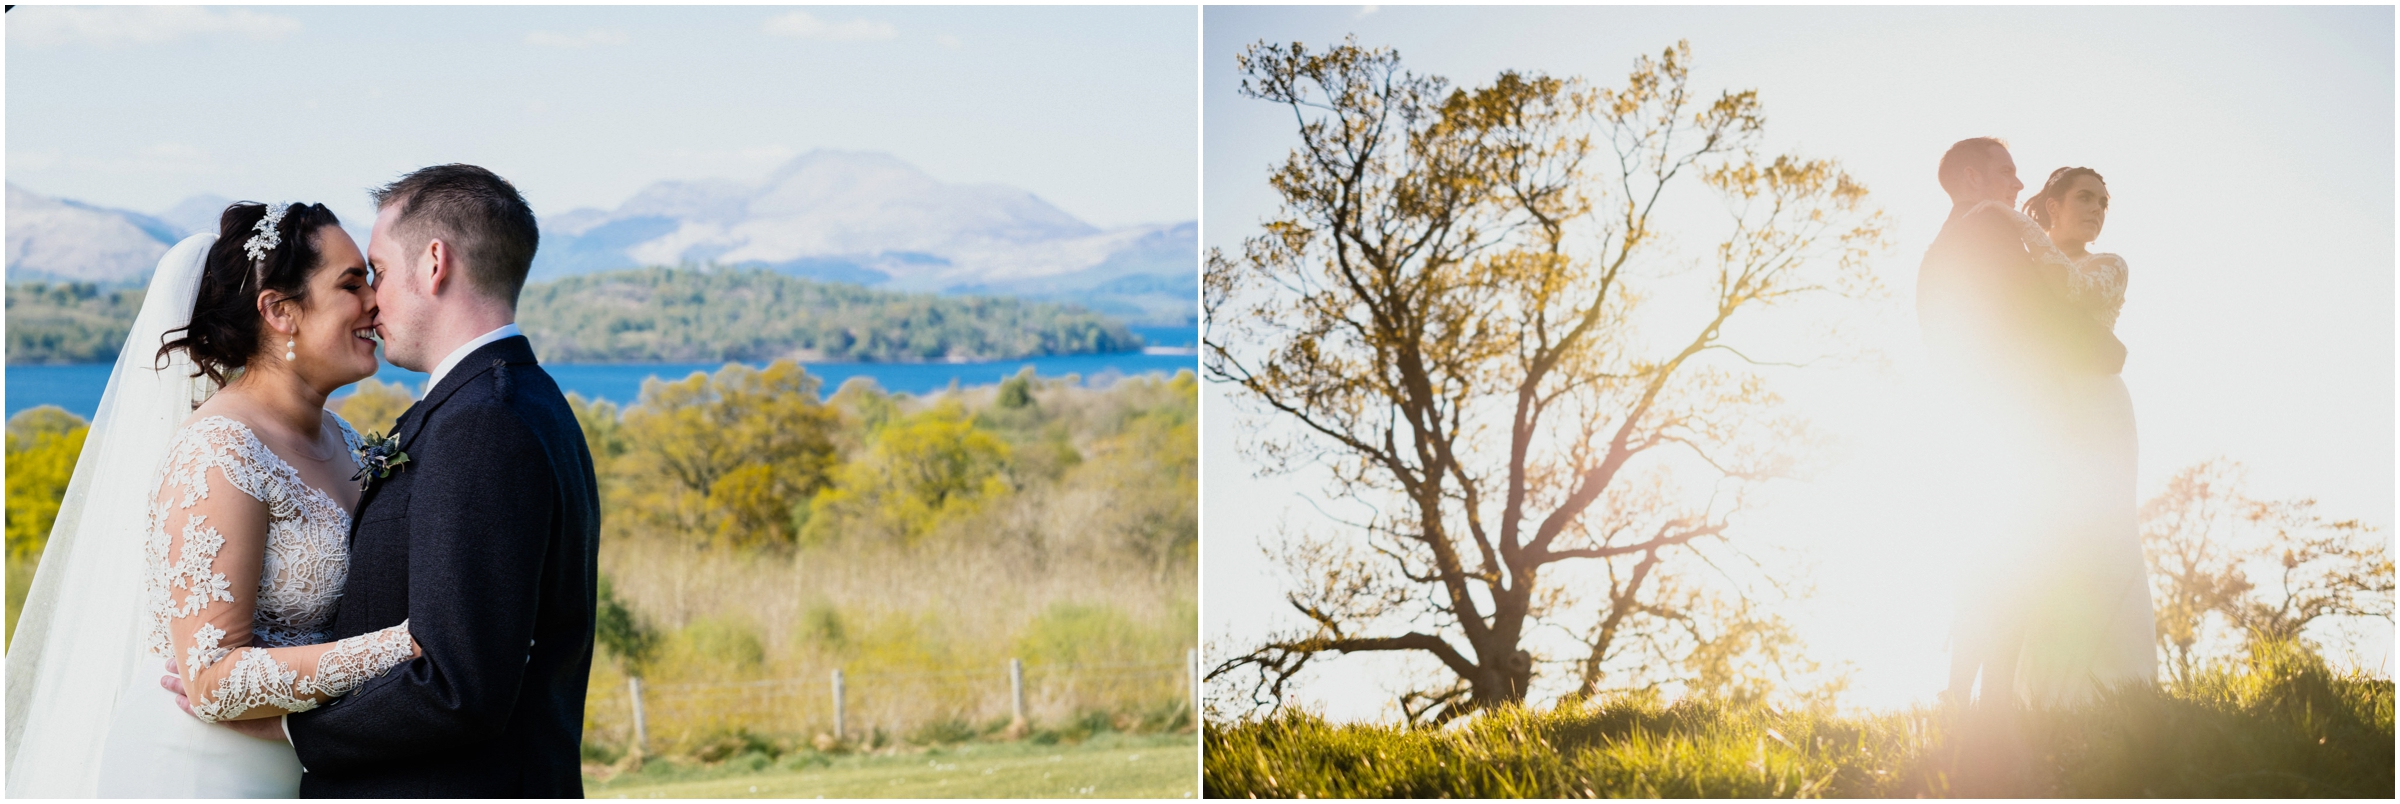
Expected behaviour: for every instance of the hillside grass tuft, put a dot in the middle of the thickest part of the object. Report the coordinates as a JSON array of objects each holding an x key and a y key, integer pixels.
[{"x": 2278, "y": 725}]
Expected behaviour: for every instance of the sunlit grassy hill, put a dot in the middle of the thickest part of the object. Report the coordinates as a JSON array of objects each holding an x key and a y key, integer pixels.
[{"x": 2279, "y": 726}]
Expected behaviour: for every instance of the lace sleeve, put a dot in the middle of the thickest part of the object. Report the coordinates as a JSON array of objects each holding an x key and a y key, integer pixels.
[
  {"x": 212, "y": 509},
  {"x": 2098, "y": 284}
]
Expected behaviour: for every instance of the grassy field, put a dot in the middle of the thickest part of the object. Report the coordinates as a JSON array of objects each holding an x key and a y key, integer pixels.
[
  {"x": 2284, "y": 726},
  {"x": 1107, "y": 766}
]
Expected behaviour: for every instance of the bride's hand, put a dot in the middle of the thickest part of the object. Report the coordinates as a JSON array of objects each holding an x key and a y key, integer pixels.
[{"x": 265, "y": 728}]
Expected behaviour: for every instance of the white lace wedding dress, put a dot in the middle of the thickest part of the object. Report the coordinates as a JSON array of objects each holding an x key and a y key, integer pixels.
[
  {"x": 202, "y": 589},
  {"x": 187, "y": 539},
  {"x": 2092, "y": 624}
]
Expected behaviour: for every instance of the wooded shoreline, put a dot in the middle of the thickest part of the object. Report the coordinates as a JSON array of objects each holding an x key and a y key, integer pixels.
[{"x": 666, "y": 315}]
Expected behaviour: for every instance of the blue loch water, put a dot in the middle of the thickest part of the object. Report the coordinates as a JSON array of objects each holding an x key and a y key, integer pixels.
[{"x": 77, "y": 388}]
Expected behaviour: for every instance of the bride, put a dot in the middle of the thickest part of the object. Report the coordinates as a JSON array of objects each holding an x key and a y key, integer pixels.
[
  {"x": 205, "y": 528},
  {"x": 2091, "y": 624}
]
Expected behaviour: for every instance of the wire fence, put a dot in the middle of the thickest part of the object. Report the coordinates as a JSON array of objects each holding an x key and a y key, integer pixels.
[{"x": 878, "y": 707}]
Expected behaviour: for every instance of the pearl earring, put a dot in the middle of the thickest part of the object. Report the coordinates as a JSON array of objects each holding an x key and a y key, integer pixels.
[{"x": 287, "y": 348}]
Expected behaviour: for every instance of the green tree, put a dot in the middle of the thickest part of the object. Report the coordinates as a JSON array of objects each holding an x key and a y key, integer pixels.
[
  {"x": 919, "y": 472},
  {"x": 43, "y": 445},
  {"x": 1149, "y": 470},
  {"x": 1468, "y": 311},
  {"x": 69, "y": 322},
  {"x": 727, "y": 455}
]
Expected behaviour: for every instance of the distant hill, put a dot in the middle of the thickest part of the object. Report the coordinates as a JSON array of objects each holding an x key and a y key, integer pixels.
[
  {"x": 199, "y": 214},
  {"x": 665, "y": 315},
  {"x": 68, "y": 322},
  {"x": 54, "y": 239}
]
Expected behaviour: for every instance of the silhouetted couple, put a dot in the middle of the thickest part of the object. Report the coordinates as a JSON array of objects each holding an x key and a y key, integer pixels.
[{"x": 2054, "y": 599}]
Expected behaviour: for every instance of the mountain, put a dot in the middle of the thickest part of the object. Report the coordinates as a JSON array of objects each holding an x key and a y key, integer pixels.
[
  {"x": 871, "y": 219},
  {"x": 60, "y": 240},
  {"x": 197, "y": 214},
  {"x": 838, "y": 216}
]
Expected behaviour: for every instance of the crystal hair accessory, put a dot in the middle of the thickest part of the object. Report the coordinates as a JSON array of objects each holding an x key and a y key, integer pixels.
[{"x": 267, "y": 238}]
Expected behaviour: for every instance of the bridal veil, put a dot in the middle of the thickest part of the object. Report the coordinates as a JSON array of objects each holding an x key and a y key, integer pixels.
[{"x": 77, "y": 641}]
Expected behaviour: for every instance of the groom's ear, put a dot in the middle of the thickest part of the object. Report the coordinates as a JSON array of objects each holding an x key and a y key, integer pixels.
[{"x": 441, "y": 266}]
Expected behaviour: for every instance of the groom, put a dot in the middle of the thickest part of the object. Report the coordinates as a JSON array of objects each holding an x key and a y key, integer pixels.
[
  {"x": 484, "y": 540},
  {"x": 2006, "y": 336}
]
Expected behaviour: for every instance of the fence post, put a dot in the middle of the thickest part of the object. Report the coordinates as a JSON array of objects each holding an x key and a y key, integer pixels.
[
  {"x": 641, "y": 727},
  {"x": 1191, "y": 677},
  {"x": 1016, "y": 694},
  {"x": 840, "y": 707}
]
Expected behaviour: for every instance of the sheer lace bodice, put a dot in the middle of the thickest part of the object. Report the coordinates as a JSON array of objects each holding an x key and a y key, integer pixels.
[
  {"x": 275, "y": 560},
  {"x": 2095, "y": 283}
]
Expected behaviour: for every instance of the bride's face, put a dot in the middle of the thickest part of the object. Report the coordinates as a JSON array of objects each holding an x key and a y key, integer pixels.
[
  {"x": 2079, "y": 213},
  {"x": 330, "y": 343}
]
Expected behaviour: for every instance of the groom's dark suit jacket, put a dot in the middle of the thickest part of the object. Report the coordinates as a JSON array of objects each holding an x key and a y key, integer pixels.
[
  {"x": 485, "y": 542},
  {"x": 1987, "y": 313}
]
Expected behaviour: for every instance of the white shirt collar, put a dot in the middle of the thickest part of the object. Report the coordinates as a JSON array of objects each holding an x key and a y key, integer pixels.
[{"x": 456, "y": 355}]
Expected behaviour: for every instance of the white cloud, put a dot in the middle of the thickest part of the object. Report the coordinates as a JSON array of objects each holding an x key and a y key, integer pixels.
[
  {"x": 803, "y": 25},
  {"x": 949, "y": 41},
  {"x": 1363, "y": 11},
  {"x": 591, "y": 38},
  {"x": 137, "y": 25}
]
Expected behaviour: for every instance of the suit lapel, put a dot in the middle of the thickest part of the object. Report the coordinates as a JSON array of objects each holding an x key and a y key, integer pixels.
[{"x": 405, "y": 430}]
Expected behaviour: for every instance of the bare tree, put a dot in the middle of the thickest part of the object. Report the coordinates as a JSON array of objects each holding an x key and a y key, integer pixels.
[{"x": 1467, "y": 311}]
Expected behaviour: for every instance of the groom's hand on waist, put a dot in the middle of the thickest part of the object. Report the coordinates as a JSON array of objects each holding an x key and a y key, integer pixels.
[{"x": 173, "y": 681}]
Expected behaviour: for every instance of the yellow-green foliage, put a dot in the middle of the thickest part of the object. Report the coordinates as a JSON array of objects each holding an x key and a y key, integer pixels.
[
  {"x": 723, "y": 641},
  {"x": 918, "y": 472},
  {"x": 2280, "y": 725},
  {"x": 43, "y": 444},
  {"x": 727, "y": 456},
  {"x": 374, "y": 406},
  {"x": 1038, "y": 520},
  {"x": 1095, "y": 633}
]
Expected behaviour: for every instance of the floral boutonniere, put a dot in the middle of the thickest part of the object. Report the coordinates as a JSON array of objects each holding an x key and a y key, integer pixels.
[{"x": 377, "y": 457}]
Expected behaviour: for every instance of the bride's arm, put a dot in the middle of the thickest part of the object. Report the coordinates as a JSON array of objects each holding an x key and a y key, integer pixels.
[{"x": 216, "y": 531}]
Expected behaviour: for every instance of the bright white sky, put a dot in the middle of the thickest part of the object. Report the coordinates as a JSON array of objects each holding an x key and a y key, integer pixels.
[
  {"x": 2249, "y": 152},
  {"x": 1088, "y": 107}
]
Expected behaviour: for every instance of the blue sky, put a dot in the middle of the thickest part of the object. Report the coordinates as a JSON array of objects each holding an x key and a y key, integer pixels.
[
  {"x": 1089, "y": 108},
  {"x": 2249, "y": 152}
]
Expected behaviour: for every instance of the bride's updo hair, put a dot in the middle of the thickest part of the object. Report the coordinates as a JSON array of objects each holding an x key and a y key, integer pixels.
[
  {"x": 223, "y": 335},
  {"x": 2038, "y": 207}
]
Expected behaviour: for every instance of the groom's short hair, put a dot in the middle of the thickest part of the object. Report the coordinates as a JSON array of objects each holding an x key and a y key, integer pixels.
[
  {"x": 476, "y": 212},
  {"x": 1964, "y": 154}
]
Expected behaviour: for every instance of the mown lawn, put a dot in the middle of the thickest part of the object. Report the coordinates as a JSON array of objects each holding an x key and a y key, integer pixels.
[
  {"x": 2282, "y": 727},
  {"x": 1106, "y": 766}
]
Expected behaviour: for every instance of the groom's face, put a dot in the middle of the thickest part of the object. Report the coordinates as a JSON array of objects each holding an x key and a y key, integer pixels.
[
  {"x": 1998, "y": 177},
  {"x": 399, "y": 292}
]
